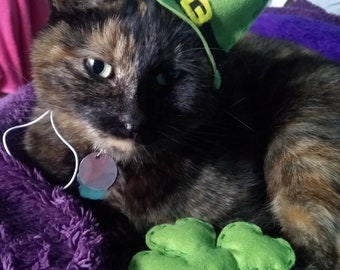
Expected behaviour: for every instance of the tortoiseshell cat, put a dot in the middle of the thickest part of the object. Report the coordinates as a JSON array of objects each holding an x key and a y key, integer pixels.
[{"x": 130, "y": 78}]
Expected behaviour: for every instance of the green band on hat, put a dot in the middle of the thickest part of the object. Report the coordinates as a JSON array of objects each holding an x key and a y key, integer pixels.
[{"x": 229, "y": 20}]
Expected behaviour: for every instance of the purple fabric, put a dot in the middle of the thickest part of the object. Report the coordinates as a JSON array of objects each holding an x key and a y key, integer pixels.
[
  {"x": 41, "y": 227},
  {"x": 321, "y": 34},
  {"x": 306, "y": 9}
]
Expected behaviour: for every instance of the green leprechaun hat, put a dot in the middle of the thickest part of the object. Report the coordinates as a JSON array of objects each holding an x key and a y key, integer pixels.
[{"x": 220, "y": 22}]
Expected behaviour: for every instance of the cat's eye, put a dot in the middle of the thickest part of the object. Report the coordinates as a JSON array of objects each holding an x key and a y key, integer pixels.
[
  {"x": 162, "y": 79},
  {"x": 99, "y": 68},
  {"x": 166, "y": 78}
]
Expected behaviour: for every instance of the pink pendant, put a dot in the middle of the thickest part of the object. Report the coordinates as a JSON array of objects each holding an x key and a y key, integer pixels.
[{"x": 96, "y": 174}]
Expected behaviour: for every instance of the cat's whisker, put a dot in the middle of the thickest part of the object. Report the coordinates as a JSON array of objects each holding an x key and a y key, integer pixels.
[
  {"x": 194, "y": 136},
  {"x": 235, "y": 104},
  {"x": 240, "y": 121},
  {"x": 173, "y": 140},
  {"x": 19, "y": 73},
  {"x": 144, "y": 155},
  {"x": 193, "y": 50}
]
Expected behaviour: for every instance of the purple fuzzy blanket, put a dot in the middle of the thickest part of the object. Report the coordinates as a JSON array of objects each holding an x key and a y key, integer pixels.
[{"x": 41, "y": 227}]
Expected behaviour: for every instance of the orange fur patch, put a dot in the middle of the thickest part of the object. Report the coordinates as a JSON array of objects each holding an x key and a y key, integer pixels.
[
  {"x": 82, "y": 133},
  {"x": 299, "y": 218}
]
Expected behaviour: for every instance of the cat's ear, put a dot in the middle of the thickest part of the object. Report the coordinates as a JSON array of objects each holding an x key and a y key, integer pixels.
[{"x": 68, "y": 6}]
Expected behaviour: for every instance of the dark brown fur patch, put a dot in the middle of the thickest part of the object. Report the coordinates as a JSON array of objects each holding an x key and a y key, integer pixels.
[{"x": 70, "y": 6}]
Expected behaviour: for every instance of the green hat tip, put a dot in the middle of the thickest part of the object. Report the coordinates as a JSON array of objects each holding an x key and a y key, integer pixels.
[{"x": 217, "y": 79}]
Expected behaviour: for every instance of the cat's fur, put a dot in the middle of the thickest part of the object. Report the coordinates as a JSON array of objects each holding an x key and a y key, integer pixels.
[{"x": 264, "y": 148}]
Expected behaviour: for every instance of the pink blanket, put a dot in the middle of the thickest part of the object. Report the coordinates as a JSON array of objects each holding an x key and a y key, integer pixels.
[{"x": 20, "y": 20}]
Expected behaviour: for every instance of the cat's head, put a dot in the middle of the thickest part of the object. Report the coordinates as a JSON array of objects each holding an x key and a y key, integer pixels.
[{"x": 124, "y": 74}]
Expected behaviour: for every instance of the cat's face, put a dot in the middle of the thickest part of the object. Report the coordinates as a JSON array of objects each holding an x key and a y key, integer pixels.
[{"x": 124, "y": 74}]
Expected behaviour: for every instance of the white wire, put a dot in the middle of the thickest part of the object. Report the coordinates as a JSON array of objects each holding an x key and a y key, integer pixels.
[
  {"x": 4, "y": 136},
  {"x": 71, "y": 148},
  {"x": 4, "y": 142}
]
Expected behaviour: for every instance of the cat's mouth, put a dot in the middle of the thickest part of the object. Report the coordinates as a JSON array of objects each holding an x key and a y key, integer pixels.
[
  {"x": 96, "y": 140},
  {"x": 119, "y": 149},
  {"x": 115, "y": 147}
]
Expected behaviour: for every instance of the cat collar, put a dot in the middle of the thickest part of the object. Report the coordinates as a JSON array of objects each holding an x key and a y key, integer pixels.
[{"x": 217, "y": 22}]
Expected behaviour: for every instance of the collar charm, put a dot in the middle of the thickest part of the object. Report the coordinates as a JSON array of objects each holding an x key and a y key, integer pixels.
[{"x": 97, "y": 173}]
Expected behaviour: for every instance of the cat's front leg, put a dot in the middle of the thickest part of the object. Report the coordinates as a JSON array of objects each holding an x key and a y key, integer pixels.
[{"x": 303, "y": 176}]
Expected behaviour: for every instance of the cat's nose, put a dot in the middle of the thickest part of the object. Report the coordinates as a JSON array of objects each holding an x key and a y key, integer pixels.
[
  {"x": 131, "y": 124},
  {"x": 128, "y": 126}
]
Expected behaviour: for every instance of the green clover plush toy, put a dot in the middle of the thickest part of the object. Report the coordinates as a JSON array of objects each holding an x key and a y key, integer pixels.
[{"x": 190, "y": 244}]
